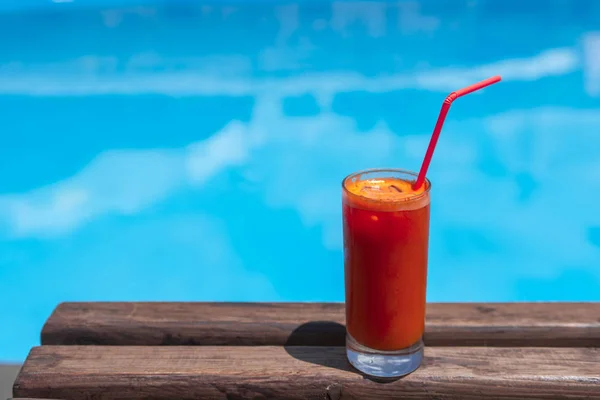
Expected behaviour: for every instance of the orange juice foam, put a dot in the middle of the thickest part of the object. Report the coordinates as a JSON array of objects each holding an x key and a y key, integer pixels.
[{"x": 385, "y": 193}]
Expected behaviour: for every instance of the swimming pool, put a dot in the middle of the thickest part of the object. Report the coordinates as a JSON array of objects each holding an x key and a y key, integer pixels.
[{"x": 195, "y": 151}]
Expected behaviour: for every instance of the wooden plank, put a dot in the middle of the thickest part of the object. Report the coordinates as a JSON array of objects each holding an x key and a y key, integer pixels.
[
  {"x": 302, "y": 372},
  {"x": 316, "y": 324}
]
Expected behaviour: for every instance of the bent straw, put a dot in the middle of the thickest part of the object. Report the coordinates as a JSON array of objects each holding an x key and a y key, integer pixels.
[{"x": 440, "y": 122}]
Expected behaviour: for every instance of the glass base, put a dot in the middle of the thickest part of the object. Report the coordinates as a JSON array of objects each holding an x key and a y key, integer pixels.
[{"x": 384, "y": 364}]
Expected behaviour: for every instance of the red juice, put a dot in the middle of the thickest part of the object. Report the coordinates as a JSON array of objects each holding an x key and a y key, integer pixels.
[{"x": 386, "y": 235}]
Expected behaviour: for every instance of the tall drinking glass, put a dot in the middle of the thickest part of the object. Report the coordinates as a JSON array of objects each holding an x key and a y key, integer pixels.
[{"x": 386, "y": 236}]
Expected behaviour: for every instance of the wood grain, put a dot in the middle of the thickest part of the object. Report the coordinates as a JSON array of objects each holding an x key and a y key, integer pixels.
[
  {"x": 303, "y": 372},
  {"x": 316, "y": 324}
]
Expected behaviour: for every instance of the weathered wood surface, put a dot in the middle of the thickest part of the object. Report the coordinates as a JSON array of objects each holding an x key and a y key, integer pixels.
[
  {"x": 322, "y": 324},
  {"x": 303, "y": 372}
]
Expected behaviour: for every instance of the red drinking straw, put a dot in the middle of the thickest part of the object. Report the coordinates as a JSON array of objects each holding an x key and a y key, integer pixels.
[{"x": 440, "y": 121}]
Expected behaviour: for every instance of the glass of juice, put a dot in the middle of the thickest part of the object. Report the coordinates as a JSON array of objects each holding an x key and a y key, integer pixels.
[{"x": 386, "y": 236}]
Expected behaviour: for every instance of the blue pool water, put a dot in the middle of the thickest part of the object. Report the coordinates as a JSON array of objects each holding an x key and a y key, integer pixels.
[{"x": 194, "y": 151}]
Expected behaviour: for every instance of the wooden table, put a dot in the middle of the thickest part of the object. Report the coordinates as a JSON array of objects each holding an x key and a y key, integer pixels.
[{"x": 295, "y": 351}]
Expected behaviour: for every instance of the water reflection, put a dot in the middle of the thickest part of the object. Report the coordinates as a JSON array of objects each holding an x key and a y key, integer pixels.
[
  {"x": 195, "y": 152},
  {"x": 591, "y": 43}
]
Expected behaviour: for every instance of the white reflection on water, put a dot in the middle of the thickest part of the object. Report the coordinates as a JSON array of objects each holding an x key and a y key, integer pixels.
[
  {"x": 219, "y": 76},
  {"x": 591, "y": 45},
  {"x": 120, "y": 182}
]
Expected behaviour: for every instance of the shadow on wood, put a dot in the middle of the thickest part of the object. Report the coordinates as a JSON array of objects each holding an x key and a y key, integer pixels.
[
  {"x": 317, "y": 333},
  {"x": 325, "y": 334},
  {"x": 305, "y": 342}
]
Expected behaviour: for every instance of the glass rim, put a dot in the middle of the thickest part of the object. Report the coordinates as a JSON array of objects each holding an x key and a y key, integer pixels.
[{"x": 425, "y": 192}]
